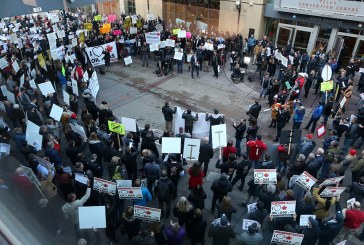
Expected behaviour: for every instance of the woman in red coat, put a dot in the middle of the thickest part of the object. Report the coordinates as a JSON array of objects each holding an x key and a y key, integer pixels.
[{"x": 196, "y": 175}]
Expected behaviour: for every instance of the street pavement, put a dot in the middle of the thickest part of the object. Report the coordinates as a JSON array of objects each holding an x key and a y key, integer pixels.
[{"x": 136, "y": 92}]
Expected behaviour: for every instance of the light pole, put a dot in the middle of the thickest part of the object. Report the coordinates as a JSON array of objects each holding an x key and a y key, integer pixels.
[{"x": 238, "y": 7}]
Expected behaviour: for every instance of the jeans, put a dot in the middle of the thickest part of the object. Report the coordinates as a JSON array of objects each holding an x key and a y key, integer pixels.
[
  {"x": 296, "y": 125},
  {"x": 324, "y": 169},
  {"x": 216, "y": 72},
  {"x": 179, "y": 66},
  {"x": 194, "y": 67},
  {"x": 253, "y": 163},
  {"x": 236, "y": 179},
  {"x": 346, "y": 145},
  {"x": 167, "y": 211},
  {"x": 145, "y": 60},
  {"x": 283, "y": 166},
  {"x": 326, "y": 117},
  {"x": 263, "y": 92},
  {"x": 312, "y": 121},
  {"x": 238, "y": 147}
]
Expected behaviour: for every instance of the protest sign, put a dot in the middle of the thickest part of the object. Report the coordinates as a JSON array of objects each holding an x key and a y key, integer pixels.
[
  {"x": 286, "y": 237},
  {"x": 74, "y": 86},
  {"x": 133, "y": 30},
  {"x": 171, "y": 145},
  {"x": 56, "y": 112},
  {"x": 11, "y": 97},
  {"x": 247, "y": 223},
  {"x": 146, "y": 213},
  {"x": 290, "y": 57},
  {"x": 251, "y": 207},
  {"x": 153, "y": 47},
  {"x": 111, "y": 18},
  {"x": 342, "y": 102},
  {"x": 95, "y": 54},
  {"x": 129, "y": 124},
  {"x": 15, "y": 66},
  {"x": 35, "y": 140},
  {"x": 326, "y": 86},
  {"x": 3, "y": 63},
  {"x": 98, "y": 17},
  {"x": 81, "y": 178},
  {"x": 304, "y": 219},
  {"x": 150, "y": 17},
  {"x": 134, "y": 19},
  {"x": 283, "y": 208},
  {"x": 182, "y": 34},
  {"x": 321, "y": 131},
  {"x": 2, "y": 106},
  {"x": 170, "y": 43},
  {"x": 128, "y": 60},
  {"x": 219, "y": 138},
  {"x": 124, "y": 183},
  {"x": 66, "y": 97},
  {"x": 116, "y": 32},
  {"x": 74, "y": 42},
  {"x": 326, "y": 73},
  {"x": 92, "y": 217},
  {"x": 162, "y": 44},
  {"x": 106, "y": 186},
  {"x": 44, "y": 163},
  {"x": 130, "y": 193},
  {"x": 61, "y": 34},
  {"x": 188, "y": 34},
  {"x": 265, "y": 176},
  {"x": 209, "y": 46},
  {"x": 31, "y": 176},
  {"x": 94, "y": 85},
  {"x": 191, "y": 149},
  {"x": 4, "y": 148},
  {"x": 87, "y": 26},
  {"x": 284, "y": 61},
  {"x": 78, "y": 129},
  {"x": 152, "y": 37},
  {"x": 332, "y": 181},
  {"x": 116, "y": 127},
  {"x": 306, "y": 180},
  {"x": 332, "y": 191},
  {"x": 178, "y": 56},
  {"x": 176, "y": 31}
]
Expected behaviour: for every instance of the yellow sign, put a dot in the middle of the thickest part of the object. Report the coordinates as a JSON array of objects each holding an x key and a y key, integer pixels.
[
  {"x": 41, "y": 61},
  {"x": 326, "y": 86},
  {"x": 116, "y": 127},
  {"x": 98, "y": 17},
  {"x": 175, "y": 31},
  {"x": 81, "y": 37},
  {"x": 87, "y": 26},
  {"x": 105, "y": 28}
]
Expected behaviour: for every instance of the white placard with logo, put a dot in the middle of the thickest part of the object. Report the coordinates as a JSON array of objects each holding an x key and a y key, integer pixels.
[
  {"x": 124, "y": 183},
  {"x": 106, "y": 186},
  {"x": 265, "y": 176},
  {"x": 306, "y": 180},
  {"x": 251, "y": 207},
  {"x": 92, "y": 217},
  {"x": 219, "y": 138},
  {"x": 332, "y": 191},
  {"x": 287, "y": 237},
  {"x": 56, "y": 112},
  {"x": 147, "y": 213},
  {"x": 332, "y": 181},
  {"x": 129, "y": 124},
  {"x": 247, "y": 223},
  {"x": 46, "y": 88},
  {"x": 191, "y": 149},
  {"x": 128, "y": 60},
  {"x": 96, "y": 56},
  {"x": 171, "y": 145},
  {"x": 152, "y": 37},
  {"x": 130, "y": 192},
  {"x": 283, "y": 208},
  {"x": 304, "y": 219}
]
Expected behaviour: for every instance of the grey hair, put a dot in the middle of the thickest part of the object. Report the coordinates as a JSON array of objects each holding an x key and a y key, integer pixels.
[{"x": 301, "y": 158}]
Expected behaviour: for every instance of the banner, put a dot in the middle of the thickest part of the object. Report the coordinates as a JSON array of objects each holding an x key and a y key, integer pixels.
[
  {"x": 152, "y": 37},
  {"x": 265, "y": 176},
  {"x": 201, "y": 127},
  {"x": 130, "y": 193},
  {"x": 146, "y": 213},
  {"x": 106, "y": 186},
  {"x": 332, "y": 191},
  {"x": 287, "y": 237},
  {"x": 284, "y": 208},
  {"x": 95, "y": 53},
  {"x": 306, "y": 181}
]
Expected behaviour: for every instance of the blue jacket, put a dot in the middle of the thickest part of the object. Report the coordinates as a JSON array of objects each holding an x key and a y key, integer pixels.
[
  {"x": 146, "y": 197},
  {"x": 62, "y": 79},
  {"x": 317, "y": 112},
  {"x": 251, "y": 41},
  {"x": 299, "y": 114}
]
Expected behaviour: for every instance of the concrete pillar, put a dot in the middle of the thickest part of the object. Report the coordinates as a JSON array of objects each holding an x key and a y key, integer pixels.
[{"x": 332, "y": 39}]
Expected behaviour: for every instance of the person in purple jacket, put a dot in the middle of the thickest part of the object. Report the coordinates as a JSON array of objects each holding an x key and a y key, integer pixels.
[{"x": 174, "y": 233}]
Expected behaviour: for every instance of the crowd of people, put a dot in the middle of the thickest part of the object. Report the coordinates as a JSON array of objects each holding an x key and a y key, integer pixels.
[{"x": 101, "y": 153}]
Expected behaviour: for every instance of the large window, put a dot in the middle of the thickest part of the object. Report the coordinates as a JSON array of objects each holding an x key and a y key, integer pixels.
[{"x": 131, "y": 7}]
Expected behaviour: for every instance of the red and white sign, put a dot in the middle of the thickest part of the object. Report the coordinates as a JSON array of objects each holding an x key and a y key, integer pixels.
[
  {"x": 306, "y": 180},
  {"x": 284, "y": 208},
  {"x": 332, "y": 181},
  {"x": 152, "y": 37},
  {"x": 332, "y": 191},
  {"x": 287, "y": 237},
  {"x": 321, "y": 131},
  {"x": 130, "y": 192},
  {"x": 147, "y": 213},
  {"x": 102, "y": 185},
  {"x": 265, "y": 176}
]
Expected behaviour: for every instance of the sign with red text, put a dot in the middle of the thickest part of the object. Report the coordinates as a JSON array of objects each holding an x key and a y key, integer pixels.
[
  {"x": 147, "y": 213},
  {"x": 332, "y": 191},
  {"x": 130, "y": 192},
  {"x": 265, "y": 176},
  {"x": 102, "y": 185},
  {"x": 152, "y": 37},
  {"x": 283, "y": 208},
  {"x": 287, "y": 237},
  {"x": 332, "y": 181},
  {"x": 306, "y": 180}
]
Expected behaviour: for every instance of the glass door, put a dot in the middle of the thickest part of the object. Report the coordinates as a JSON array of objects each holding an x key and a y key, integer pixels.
[
  {"x": 301, "y": 39},
  {"x": 284, "y": 35}
]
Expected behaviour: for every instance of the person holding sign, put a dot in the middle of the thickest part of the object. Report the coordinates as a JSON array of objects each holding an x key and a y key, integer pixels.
[
  {"x": 323, "y": 204},
  {"x": 189, "y": 120},
  {"x": 253, "y": 236}
]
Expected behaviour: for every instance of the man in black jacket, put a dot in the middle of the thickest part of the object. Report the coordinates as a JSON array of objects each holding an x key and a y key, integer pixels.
[
  {"x": 281, "y": 122},
  {"x": 221, "y": 187},
  {"x": 215, "y": 119},
  {"x": 189, "y": 119},
  {"x": 168, "y": 115},
  {"x": 239, "y": 135},
  {"x": 72, "y": 150},
  {"x": 242, "y": 170},
  {"x": 254, "y": 110},
  {"x": 206, "y": 153},
  {"x": 164, "y": 190}
]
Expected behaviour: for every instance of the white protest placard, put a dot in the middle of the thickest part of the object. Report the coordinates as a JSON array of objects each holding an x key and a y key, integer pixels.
[
  {"x": 129, "y": 124},
  {"x": 278, "y": 55},
  {"x": 56, "y": 112},
  {"x": 4, "y": 148},
  {"x": 247, "y": 223},
  {"x": 290, "y": 57},
  {"x": 46, "y": 88},
  {"x": 265, "y": 176},
  {"x": 342, "y": 102},
  {"x": 332, "y": 191},
  {"x": 130, "y": 192},
  {"x": 30, "y": 175},
  {"x": 189, "y": 56},
  {"x": 92, "y": 217},
  {"x": 170, "y": 43},
  {"x": 178, "y": 56},
  {"x": 286, "y": 237},
  {"x": 31, "y": 128},
  {"x": 182, "y": 34},
  {"x": 220, "y": 46},
  {"x": 283, "y": 208},
  {"x": 350, "y": 203},
  {"x": 133, "y": 30},
  {"x": 81, "y": 178},
  {"x": 78, "y": 129},
  {"x": 171, "y": 145},
  {"x": 134, "y": 19},
  {"x": 201, "y": 25},
  {"x": 33, "y": 84},
  {"x": 3, "y": 63},
  {"x": 304, "y": 219},
  {"x": 306, "y": 181},
  {"x": 146, "y": 213},
  {"x": 219, "y": 138},
  {"x": 52, "y": 38},
  {"x": 162, "y": 44},
  {"x": 341, "y": 243},
  {"x": 53, "y": 17},
  {"x": 71, "y": 36},
  {"x": 4, "y": 90},
  {"x": 15, "y": 66},
  {"x": 209, "y": 46},
  {"x": 96, "y": 56},
  {"x": 128, "y": 60},
  {"x": 284, "y": 61},
  {"x": 11, "y": 97},
  {"x": 13, "y": 38},
  {"x": 66, "y": 97},
  {"x": 94, "y": 86},
  {"x": 152, "y": 37},
  {"x": 61, "y": 34},
  {"x": 332, "y": 181},
  {"x": 106, "y": 186},
  {"x": 191, "y": 149},
  {"x": 124, "y": 183},
  {"x": 2, "y": 106},
  {"x": 35, "y": 140},
  {"x": 251, "y": 207},
  {"x": 153, "y": 47},
  {"x": 150, "y": 17},
  {"x": 74, "y": 42},
  {"x": 74, "y": 87},
  {"x": 85, "y": 77}
]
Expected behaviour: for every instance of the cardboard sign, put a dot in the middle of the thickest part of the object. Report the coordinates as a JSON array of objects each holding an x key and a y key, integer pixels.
[
  {"x": 284, "y": 208},
  {"x": 247, "y": 223},
  {"x": 284, "y": 61},
  {"x": 56, "y": 112},
  {"x": 265, "y": 176},
  {"x": 78, "y": 129},
  {"x": 129, "y": 124},
  {"x": 75, "y": 86},
  {"x": 116, "y": 32},
  {"x": 106, "y": 186},
  {"x": 252, "y": 207},
  {"x": 94, "y": 86},
  {"x": 3, "y": 63},
  {"x": 146, "y": 213},
  {"x": 219, "y": 138},
  {"x": 306, "y": 181},
  {"x": 116, "y": 127},
  {"x": 152, "y": 37},
  {"x": 30, "y": 175},
  {"x": 176, "y": 31},
  {"x": 92, "y": 217},
  {"x": 304, "y": 219},
  {"x": 332, "y": 191},
  {"x": 332, "y": 181},
  {"x": 171, "y": 145},
  {"x": 287, "y": 237},
  {"x": 46, "y": 88},
  {"x": 128, "y": 60},
  {"x": 130, "y": 192},
  {"x": 66, "y": 97},
  {"x": 191, "y": 149},
  {"x": 326, "y": 86},
  {"x": 123, "y": 183},
  {"x": 350, "y": 203},
  {"x": 81, "y": 178}
]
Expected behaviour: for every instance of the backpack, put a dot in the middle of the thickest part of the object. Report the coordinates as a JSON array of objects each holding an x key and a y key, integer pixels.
[
  {"x": 163, "y": 190},
  {"x": 119, "y": 173}
]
